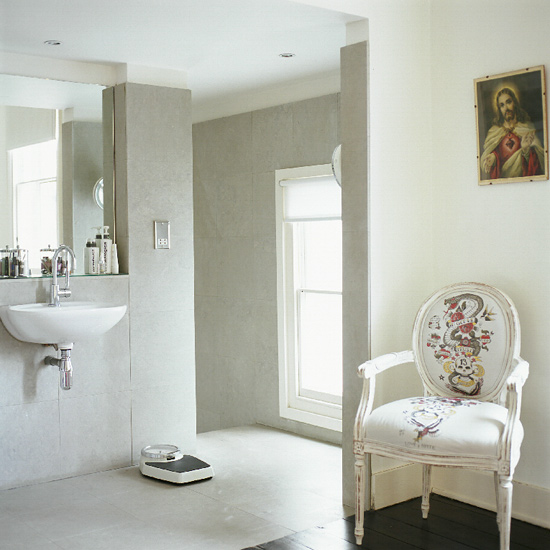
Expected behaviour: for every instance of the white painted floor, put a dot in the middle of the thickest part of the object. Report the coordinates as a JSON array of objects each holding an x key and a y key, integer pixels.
[{"x": 267, "y": 485}]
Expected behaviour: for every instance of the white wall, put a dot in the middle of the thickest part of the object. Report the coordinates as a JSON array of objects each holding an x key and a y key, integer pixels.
[
  {"x": 431, "y": 224},
  {"x": 496, "y": 234},
  {"x": 400, "y": 189}
]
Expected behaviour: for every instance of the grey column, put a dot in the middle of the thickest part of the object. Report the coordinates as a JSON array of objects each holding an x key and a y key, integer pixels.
[
  {"x": 153, "y": 158},
  {"x": 354, "y": 131}
]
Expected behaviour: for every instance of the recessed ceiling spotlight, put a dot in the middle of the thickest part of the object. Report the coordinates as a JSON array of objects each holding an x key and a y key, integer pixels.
[
  {"x": 53, "y": 43},
  {"x": 287, "y": 54}
]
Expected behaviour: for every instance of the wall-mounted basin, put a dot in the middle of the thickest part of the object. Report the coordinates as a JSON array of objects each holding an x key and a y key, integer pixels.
[{"x": 70, "y": 322}]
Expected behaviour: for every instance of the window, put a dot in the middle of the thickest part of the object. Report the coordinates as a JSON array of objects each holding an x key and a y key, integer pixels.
[{"x": 309, "y": 264}]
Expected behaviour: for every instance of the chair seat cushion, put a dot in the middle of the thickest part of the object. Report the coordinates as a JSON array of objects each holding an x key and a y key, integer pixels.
[{"x": 450, "y": 426}]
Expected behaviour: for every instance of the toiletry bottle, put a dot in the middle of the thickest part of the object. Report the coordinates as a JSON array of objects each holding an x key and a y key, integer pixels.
[
  {"x": 22, "y": 260},
  {"x": 94, "y": 258},
  {"x": 91, "y": 258},
  {"x": 102, "y": 264},
  {"x": 4, "y": 265},
  {"x": 15, "y": 262},
  {"x": 114, "y": 259},
  {"x": 46, "y": 255},
  {"x": 105, "y": 248},
  {"x": 100, "y": 260},
  {"x": 87, "y": 257},
  {"x": 98, "y": 237}
]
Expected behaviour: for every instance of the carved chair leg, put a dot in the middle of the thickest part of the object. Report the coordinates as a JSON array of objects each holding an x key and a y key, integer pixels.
[
  {"x": 426, "y": 489},
  {"x": 369, "y": 498},
  {"x": 505, "y": 510},
  {"x": 362, "y": 497},
  {"x": 497, "y": 493}
]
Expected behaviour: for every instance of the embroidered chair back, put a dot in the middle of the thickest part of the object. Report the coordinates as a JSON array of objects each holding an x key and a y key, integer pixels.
[{"x": 464, "y": 339}]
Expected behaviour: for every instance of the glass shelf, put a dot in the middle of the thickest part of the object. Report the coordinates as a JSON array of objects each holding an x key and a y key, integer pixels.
[{"x": 60, "y": 276}]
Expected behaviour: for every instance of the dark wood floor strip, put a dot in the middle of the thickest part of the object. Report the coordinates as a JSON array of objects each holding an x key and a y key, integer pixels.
[
  {"x": 421, "y": 535},
  {"x": 320, "y": 539},
  {"x": 475, "y": 521},
  {"x": 471, "y": 516},
  {"x": 453, "y": 530},
  {"x": 451, "y": 525},
  {"x": 285, "y": 543},
  {"x": 375, "y": 540}
]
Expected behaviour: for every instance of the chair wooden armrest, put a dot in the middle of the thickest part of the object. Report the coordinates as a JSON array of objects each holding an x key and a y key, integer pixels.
[
  {"x": 519, "y": 374},
  {"x": 379, "y": 364},
  {"x": 368, "y": 371},
  {"x": 512, "y": 401}
]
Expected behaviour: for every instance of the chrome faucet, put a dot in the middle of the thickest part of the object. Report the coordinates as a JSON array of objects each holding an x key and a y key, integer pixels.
[{"x": 55, "y": 291}]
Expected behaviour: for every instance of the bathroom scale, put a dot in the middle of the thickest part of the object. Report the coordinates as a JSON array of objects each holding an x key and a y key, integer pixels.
[{"x": 167, "y": 462}]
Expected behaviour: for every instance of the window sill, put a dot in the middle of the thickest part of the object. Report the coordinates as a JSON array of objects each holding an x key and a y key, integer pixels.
[{"x": 306, "y": 417}]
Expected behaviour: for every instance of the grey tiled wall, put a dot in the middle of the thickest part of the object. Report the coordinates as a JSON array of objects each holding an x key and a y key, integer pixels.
[
  {"x": 48, "y": 433},
  {"x": 134, "y": 386},
  {"x": 154, "y": 177},
  {"x": 235, "y": 159},
  {"x": 82, "y": 167},
  {"x": 355, "y": 169}
]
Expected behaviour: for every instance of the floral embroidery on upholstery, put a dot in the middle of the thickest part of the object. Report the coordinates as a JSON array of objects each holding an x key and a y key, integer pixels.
[
  {"x": 428, "y": 413},
  {"x": 458, "y": 337}
]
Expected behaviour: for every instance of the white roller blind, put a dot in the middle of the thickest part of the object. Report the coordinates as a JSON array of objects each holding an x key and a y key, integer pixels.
[{"x": 306, "y": 199}]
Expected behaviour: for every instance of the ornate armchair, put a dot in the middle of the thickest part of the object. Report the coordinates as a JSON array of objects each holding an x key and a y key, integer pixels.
[{"x": 466, "y": 345}]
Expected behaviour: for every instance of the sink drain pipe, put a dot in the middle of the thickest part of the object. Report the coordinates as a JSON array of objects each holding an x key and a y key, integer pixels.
[{"x": 65, "y": 368}]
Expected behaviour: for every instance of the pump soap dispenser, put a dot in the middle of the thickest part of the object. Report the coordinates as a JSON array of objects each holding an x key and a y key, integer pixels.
[
  {"x": 105, "y": 244},
  {"x": 91, "y": 258}
]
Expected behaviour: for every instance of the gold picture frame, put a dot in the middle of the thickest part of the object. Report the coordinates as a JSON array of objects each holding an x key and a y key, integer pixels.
[{"x": 512, "y": 142}]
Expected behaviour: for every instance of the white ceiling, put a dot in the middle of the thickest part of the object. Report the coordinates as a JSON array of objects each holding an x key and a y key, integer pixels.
[
  {"x": 224, "y": 47},
  {"x": 21, "y": 91}
]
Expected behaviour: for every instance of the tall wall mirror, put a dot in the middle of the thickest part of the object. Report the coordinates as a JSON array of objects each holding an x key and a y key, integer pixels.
[{"x": 56, "y": 167}]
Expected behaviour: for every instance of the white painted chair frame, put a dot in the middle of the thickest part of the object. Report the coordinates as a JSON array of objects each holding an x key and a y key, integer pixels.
[{"x": 508, "y": 395}]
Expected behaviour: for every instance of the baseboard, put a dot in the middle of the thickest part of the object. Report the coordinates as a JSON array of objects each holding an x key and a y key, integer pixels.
[
  {"x": 529, "y": 503},
  {"x": 397, "y": 485}
]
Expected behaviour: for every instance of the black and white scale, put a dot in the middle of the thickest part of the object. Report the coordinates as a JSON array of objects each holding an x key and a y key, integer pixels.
[{"x": 167, "y": 462}]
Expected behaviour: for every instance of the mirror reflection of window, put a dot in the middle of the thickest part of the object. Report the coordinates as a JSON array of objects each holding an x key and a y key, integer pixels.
[{"x": 34, "y": 180}]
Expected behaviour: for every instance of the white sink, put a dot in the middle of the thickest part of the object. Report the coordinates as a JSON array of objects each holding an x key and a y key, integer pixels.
[{"x": 70, "y": 322}]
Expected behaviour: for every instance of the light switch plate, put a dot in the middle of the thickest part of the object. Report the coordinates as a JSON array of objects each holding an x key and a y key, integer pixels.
[{"x": 162, "y": 234}]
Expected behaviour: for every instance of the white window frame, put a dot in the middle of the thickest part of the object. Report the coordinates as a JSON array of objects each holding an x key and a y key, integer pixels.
[{"x": 291, "y": 405}]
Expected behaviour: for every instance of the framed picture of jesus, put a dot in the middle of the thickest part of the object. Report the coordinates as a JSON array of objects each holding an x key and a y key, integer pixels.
[{"x": 512, "y": 143}]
